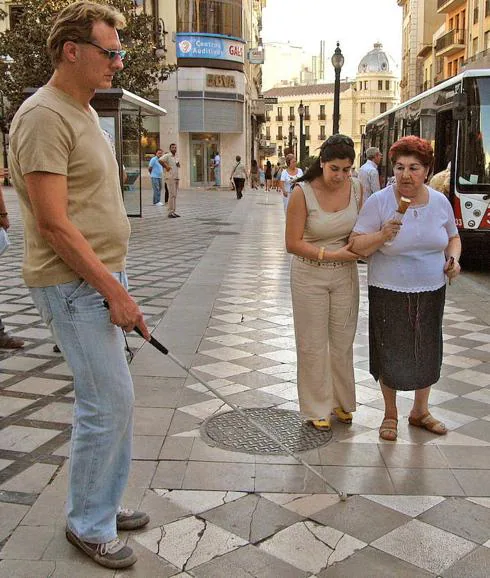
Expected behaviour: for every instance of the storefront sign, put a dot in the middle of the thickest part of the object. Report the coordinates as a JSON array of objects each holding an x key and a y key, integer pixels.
[
  {"x": 256, "y": 56},
  {"x": 220, "y": 81},
  {"x": 209, "y": 46}
]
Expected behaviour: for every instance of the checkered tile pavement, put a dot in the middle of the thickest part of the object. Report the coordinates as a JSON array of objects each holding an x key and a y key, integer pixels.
[{"x": 219, "y": 278}]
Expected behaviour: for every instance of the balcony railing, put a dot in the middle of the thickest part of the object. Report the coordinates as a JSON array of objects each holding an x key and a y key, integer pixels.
[
  {"x": 291, "y": 117},
  {"x": 322, "y": 116},
  {"x": 307, "y": 116},
  {"x": 279, "y": 118},
  {"x": 279, "y": 137},
  {"x": 451, "y": 41},
  {"x": 446, "y": 5},
  {"x": 307, "y": 137},
  {"x": 322, "y": 137}
]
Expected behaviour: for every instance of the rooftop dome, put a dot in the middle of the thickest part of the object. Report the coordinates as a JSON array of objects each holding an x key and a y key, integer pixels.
[{"x": 377, "y": 60}]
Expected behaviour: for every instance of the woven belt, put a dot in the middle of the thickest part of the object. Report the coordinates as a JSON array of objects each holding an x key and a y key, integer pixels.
[{"x": 328, "y": 264}]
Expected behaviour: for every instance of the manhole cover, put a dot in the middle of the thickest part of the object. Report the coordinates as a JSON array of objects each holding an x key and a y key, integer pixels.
[
  {"x": 230, "y": 431},
  {"x": 222, "y": 233}
]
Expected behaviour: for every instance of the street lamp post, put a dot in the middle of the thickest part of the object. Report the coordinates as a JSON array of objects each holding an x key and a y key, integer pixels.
[
  {"x": 301, "y": 112},
  {"x": 290, "y": 141},
  {"x": 337, "y": 63}
]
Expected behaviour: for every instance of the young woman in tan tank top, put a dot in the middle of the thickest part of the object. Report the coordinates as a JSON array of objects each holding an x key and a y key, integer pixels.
[{"x": 322, "y": 211}]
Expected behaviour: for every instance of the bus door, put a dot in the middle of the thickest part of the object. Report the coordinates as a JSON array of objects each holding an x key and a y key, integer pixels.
[{"x": 444, "y": 137}]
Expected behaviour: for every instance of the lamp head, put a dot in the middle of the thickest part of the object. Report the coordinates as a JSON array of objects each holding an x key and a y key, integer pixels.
[
  {"x": 338, "y": 58},
  {"x": 301, "y": 109}
]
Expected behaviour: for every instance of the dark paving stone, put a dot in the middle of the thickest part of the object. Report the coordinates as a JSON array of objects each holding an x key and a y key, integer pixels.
[
  {"x": 372, "y": 563},
  {"x": 467, "y": 406},
  {"x": 252, "y": 518},
  {"x": 475, "y": 565},
  {"x": 460, "y": 517},
  {"x": 361, "y": 518},
  {"x": 248, "y": 562},
  {"x": 479, "y": 429},
  {"x": 467, "y": 457}
]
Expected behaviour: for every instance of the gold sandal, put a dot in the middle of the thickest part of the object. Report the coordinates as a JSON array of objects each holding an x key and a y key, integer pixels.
[
  {"x": 430, "y": 423},
  {"x": 388, "y": 430},
  {"x": 341, "y": 415},
  {"x": 320, "y": 423}
]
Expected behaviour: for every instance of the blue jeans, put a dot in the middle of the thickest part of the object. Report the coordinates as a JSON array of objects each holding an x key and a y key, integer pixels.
[
  {"x": 103, "y": 412},
  {"x": 217, "y": 176},
  {"x": 156, "y": 184}
]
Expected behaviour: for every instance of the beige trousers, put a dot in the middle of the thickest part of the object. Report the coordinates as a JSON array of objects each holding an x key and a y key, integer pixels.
[
  {"x": 325, "y": 309},
  {"x": 173, "y": 188}
]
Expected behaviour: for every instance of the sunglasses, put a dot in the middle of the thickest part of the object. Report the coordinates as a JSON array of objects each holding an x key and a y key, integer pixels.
[
  {"x": 337, "y": 139},
  {"x": 111, "y": 54}
]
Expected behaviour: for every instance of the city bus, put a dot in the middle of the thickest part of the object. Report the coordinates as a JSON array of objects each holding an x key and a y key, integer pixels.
[{"x": 455, "y": 117}]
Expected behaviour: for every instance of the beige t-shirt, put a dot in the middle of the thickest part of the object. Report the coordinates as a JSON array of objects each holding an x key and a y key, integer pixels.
[
  {"x": 172, "y": 161},
  {"x": 53, "y": 133}
]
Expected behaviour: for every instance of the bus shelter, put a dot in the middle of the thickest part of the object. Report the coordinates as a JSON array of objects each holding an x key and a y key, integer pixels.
[{"x": 123, "y": 115}]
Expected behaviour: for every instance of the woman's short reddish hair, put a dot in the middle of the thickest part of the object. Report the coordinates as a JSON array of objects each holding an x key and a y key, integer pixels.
[{"x": 413, "y": 146}]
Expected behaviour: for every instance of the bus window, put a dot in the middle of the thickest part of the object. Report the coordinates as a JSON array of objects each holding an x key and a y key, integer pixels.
[
  {"x": 474, "y": 160},
  {"x": 444, "y": 140}
]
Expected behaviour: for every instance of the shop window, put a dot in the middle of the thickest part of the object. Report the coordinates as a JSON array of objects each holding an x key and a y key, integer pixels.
[{"x": 210, "y": 16}]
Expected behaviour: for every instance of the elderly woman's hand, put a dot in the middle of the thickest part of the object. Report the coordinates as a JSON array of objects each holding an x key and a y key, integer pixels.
[
  {"x": 390, "y": 229},
  {"x": 452, "y": 268}
]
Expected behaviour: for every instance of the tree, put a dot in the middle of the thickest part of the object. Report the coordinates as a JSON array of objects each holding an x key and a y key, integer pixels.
[{"x": 24, "y": 61}]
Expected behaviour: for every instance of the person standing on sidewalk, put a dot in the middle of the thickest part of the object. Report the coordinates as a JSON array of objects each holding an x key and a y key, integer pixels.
[
  {"x": 171, "y": 164},
  {"x": 369, "y": 173},
  {"x": 238, "y": 176},
  {"x": 217, "y": 169},
  {"x": 156, "y": 171},
  {"x": 76, "y": 237},
  {"x": 7, "y": 341}
]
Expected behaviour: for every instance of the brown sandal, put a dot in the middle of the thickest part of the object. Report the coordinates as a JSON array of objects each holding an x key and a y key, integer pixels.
[
  {"x": 388, "y": 430},
  {"x": 430, "y": 423}
]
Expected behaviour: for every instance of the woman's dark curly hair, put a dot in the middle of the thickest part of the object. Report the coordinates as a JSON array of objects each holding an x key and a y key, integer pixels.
[{"x": 337, "y": 146}]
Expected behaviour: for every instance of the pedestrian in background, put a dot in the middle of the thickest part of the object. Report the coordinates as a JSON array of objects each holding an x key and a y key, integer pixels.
[
  {"x": 277, "y": 176},
  {"x": 238, "y": 176},
  {"x": 7, "y": 341},
  {"x": 171, "y": 164},
  {"x": 407, "y": 269},
  {"x": 156, "y": 172},
  {"x": 442, "y": 181},
  {"x": 254, "y": 174},
  {"x": 217, "y": 169},
  {"x": 288, "y": 176},
  {"x": 268, "y": 176},
  {"x": 76, "y": 238},
  {"x": 322, "y": 211},
  {"x": 369, "y": 173}
]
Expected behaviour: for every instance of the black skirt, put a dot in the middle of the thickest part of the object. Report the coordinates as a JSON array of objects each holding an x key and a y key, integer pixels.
[{"x": 405, "y": 337}]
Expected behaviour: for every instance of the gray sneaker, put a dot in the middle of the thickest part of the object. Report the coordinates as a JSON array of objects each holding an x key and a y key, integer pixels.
[
  {"x": 131, "y": 519},
  {"x": 113, "y": 554}
]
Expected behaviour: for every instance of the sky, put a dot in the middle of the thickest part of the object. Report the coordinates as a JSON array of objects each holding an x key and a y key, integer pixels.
[{"x": 356, "y": 24}]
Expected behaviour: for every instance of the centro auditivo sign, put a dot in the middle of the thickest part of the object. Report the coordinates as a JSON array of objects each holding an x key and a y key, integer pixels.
[{"x": 210, "y": 46}]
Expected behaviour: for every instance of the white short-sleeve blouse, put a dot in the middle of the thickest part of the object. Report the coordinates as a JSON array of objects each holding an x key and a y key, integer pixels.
[{"x": 414, "y": 262}]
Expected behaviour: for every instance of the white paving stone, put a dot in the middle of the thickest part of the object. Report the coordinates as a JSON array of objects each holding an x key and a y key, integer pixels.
[
  {"x": 204, "y": 409},
  {"x": 222, "y": 369},
  {"x": 425, "y": 546},
  {"x": 410, "y": 505},
  {"x": 315, "y": 546},
  {"x": 189, "y": 542},
  {"x": 197, "y": 501}
]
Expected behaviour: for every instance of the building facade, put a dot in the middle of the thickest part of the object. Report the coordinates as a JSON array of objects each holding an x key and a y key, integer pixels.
[
  {"x": 374, "y": 90},
  {"x": 420, "y": 21},
  {"x": 213, "y": 100},
  {"x": 462, "y": 41}
]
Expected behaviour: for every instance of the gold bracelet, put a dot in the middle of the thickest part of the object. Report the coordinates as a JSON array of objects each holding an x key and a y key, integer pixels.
[{"x": 321, "y": 253}]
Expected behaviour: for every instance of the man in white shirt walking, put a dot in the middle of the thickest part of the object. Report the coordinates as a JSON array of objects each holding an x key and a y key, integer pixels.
[
  {"x": 171, "y": 164},
  {"x": 368, "y": 173}
]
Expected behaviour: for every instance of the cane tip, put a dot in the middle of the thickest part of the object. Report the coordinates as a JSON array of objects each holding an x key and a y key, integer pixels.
[{"x": 343, "y": 497}]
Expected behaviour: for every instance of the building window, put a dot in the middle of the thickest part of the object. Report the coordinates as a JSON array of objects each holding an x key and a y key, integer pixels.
[
  {"x": 279, "y": 114},
  {"x": 210, "y": 17},
  {"x": 360, "y": 86},
  {"x": 279, "y": 133},
  {"x": 15, "y": 14},
  {"x": 380, "y": 85},
  {"x": 383, "y": 107},
  {"x": 487, "y": 38},
  {"x": 307, "y": 112},
  {"x": 322, "y": 136},
  {"x": 387, "y": 84},
  {"x": 363, "y": 108},
  {"x": 475, "y": 45},
  {"x": 322, "y": 115},
  {"x": 268, "y": 133},
  {"x": 307, "y": 132},
  {"x": 476, "y": 15},
  {"x": 291, "y": 113},
  {"x": 362, "y": 128}
]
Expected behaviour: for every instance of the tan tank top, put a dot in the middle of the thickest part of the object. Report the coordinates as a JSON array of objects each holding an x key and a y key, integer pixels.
[{"x": 329, "y": 230}]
